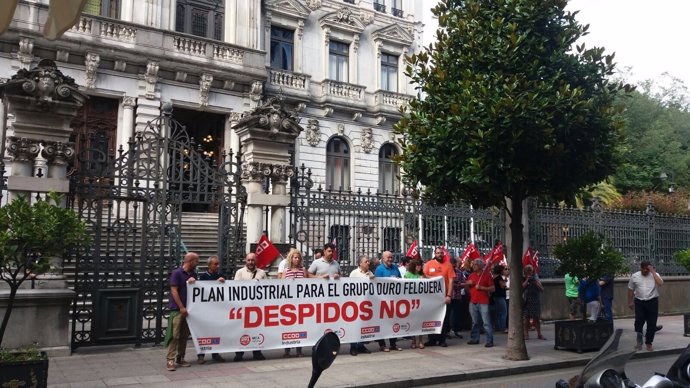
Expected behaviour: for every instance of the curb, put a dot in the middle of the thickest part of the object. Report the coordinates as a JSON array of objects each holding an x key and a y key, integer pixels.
[{"x": 455, "y": 377}]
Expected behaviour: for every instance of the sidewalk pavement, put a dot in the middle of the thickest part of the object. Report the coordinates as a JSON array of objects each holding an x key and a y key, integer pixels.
[{"x": 145, "y": 367}]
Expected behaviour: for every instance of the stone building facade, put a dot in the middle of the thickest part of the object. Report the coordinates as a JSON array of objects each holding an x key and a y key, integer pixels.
[{"x": 338, "y": 63}]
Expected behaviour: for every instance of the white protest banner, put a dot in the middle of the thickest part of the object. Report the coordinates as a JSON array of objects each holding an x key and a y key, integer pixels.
[{"x": 273, "y": 314}]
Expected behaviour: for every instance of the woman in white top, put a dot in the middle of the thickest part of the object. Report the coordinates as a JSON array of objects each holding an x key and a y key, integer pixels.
[{"x": 294, "y": 269}]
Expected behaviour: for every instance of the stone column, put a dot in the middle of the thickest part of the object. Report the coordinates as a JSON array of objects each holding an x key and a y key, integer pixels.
[
  {"x": 279, "y": 179},
  {"x": 127, "y": 129},
  {"x": 252, "y": 178}
]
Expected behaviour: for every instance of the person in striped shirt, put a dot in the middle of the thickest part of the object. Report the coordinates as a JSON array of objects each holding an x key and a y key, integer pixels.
[{"x": 294, "y": 269}]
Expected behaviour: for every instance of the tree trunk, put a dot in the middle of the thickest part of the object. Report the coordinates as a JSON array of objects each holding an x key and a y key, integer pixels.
[
  {"x": 8, "y": 311},
  {"x": 516, "y": 349}
]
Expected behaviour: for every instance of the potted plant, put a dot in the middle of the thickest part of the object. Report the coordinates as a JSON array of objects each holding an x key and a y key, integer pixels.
[
  {"x": 32, "y": 236},
  {"x": 683, "y": 258},
  {"x": 588, "y": 257}
]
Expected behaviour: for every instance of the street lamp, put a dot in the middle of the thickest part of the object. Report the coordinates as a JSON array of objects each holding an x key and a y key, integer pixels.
[{"x": 671, "y": 185}]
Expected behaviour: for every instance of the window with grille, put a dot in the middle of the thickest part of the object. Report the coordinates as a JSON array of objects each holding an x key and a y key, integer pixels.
[
  {"x": 338, "y": 55},
  {"x": 388, "y": 170},
  {"x": 389, "y": 72},
  {"x": 341, "y": 234},
  {"x": 380, "y": 5},
  {"x": 107, "y": 8},
  {"x": 396, "y": 9},
  {"x": 282, "y": 46},
  {"x": 203, "y": 18},
  {"x": 391, "y": 239},
  {"x": 338, "y": 164}
]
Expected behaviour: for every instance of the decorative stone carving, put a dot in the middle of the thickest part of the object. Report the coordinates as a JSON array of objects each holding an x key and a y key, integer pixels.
[
  {"x": 120, "y": 65},
  {"x": 235, "y": 117},
  {"x": 345, "y": 16},
  {"x": 181, "y": 76},
  {"x": 367, "y": 140},
  {"x": 300, "y": 29},
  {"x": 204, "y": 87},
  {"x": 91, "y": 63},
  {"x": 355, "y": 43},
  {"x": 22, "y": 149},
  {"x": 314, "y": 4},
  {"x": 313, "y": 134},
  {"x": 57, "y": 152},
  {"x": 257, "y": 171},
  {"x": 273, "y": 117},
  {"x": 356, "y": 116},
  {"x": 380, "y": 119},
  {"x": 62, "y": 55},
  {"x": 257, "y": 91},
  {"x": 301, "y": 107},
  {"x": 340, "y": 129},
  {"x": 25, "y": 53},
  {"x": 45, "y": 83},
  {"x": 151, "y": 77},
  {"x": 328, "y": 111},
  {"x": 228, "y": 85},
  {"x": 367, "y": 17},
  {"x": 129, "y": 102}
]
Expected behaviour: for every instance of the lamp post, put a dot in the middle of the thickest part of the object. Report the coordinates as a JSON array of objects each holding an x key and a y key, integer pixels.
[{"x": 671, "y": 184}]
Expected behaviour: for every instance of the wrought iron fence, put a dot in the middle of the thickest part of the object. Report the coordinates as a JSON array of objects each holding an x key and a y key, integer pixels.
[{"x": 638, "y": 235}]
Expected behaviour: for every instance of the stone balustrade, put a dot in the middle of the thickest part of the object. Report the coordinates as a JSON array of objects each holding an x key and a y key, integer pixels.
[
  {"x": 119, "y": 32},
  {"x": 189, "y": 46},
  {"x": 343, "y": 89},
  {"x": 288, "y": 79},
  {"x": 383, "y": 97}
]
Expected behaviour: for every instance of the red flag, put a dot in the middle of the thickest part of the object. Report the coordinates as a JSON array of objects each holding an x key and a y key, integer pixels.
[
  {"x": 266, "y": 252},
  {"x": 494, "y": 256},
  {"x": 470, "y": 253},
  {"x": 413, "y": 252},
  {"x": 531, "y": 257},
  {"x": 335, "y": 250}
]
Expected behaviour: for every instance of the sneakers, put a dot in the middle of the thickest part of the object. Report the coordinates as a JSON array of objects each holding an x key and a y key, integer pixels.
[
  {"x": 473, "y": 342},
  {"x": 650, "y": 347},
  {"x": 171, "y": 365},
  {"x": 638, "y": 346},
  {"x": 181, "y": 362},
  {"x": 489, "y": 345}
]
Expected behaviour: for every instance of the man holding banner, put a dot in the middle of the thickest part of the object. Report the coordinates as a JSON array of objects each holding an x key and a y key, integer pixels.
[
  {"x": 250, "y": 272},
  {"x": 178, "y": 330},
  {"x": 439, "y": 267}
]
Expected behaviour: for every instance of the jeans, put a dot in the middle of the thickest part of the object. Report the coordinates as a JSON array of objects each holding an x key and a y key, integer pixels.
[
  {"x": 456, "y": 314},
  {"x": 501, "y": 313},
  {"x": 608, "y": 308},
  {"x": 480, "y": 313},
  {"x": 646, "y": 311}
]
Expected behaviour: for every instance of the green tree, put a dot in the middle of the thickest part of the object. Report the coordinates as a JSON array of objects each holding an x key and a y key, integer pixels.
[
  {"x": 30, "y": 237},
  {"x": 511, "y": 110}
]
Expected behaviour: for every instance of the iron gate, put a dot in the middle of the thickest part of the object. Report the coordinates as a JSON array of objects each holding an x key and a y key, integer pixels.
[
  {"x": 132, "y": 203},
  {"x": 365, "y": 223}
]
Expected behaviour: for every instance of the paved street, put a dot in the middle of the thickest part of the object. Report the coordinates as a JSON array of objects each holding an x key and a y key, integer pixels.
[{"x": 145, "y": 367}]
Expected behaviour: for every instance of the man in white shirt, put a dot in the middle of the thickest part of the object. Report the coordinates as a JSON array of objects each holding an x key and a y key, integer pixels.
[
  {"x": 362, "y": 272},
  {"x": 250, "y": 272},
  {"x": 643, "y": 297},
  {"x": 325, "y": 267}
]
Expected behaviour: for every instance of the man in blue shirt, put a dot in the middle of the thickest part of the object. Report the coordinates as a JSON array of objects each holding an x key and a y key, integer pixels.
[
  {"x": 387, "y": 270},
  {"x": 606, "y": 284}
]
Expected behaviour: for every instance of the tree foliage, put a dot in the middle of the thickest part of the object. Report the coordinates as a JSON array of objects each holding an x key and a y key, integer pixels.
[
  {"x": 657, "y": 137},
  {"x": 511, "y": 109},
  {"x": 590, "y": 255},
  {"x": 31, "y": 235}
]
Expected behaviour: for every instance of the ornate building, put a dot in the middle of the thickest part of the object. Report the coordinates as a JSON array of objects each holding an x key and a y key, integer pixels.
[{"x": 337, "y": 63}]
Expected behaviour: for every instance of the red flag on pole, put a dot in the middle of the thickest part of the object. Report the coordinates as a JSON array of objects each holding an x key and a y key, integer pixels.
[
  {"x": 413, "y": 252},
  {"x": 265, "y": 251},
  {"x": 470, "y": 253},
  {"x": 335, "y": 250},
  {"x": 531, "y": 257},
  {"x": 494, "y": 256}
]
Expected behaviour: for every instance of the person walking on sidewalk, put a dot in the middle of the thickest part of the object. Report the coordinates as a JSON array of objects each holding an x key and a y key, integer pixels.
[
  {"x": 643, "y": 297},
  {"x": 531, "y": 310},
  {"x": 212, "y": 273},
  {"x": 480, "y": 287},
  {"x": 178, "y": 329},
  {"x": 250, "y": 272}
]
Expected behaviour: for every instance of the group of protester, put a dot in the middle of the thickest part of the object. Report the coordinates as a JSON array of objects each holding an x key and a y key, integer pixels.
[{"x": 470, "y": 290}]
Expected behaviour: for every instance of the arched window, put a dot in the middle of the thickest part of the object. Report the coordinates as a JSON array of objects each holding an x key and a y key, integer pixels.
[
  {"x": 338, "y": 164},
  {"x": 388, "y": 170}
]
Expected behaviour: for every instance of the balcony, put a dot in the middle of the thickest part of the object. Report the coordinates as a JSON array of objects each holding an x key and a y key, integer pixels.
[
  {"x": 390, "y": 102},
  {"x": 380, "y": 7},
  {"x": 397, "y": 12},
  {"x": 343, "y": 89},
  {"x": 284, "y": 78},
  {"x": 349, "y": 1}
]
